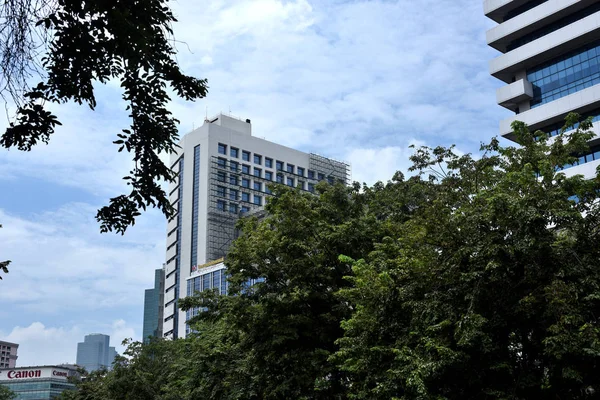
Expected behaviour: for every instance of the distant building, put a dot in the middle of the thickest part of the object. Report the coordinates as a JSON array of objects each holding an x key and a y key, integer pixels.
[
  {"x": 550, "y": 63},
  {"x": 8, "y": 354},
  {"x": 39, "y": 383},
  {"x": 153, "y": 307},
  {"x": 94, "y": 352}
]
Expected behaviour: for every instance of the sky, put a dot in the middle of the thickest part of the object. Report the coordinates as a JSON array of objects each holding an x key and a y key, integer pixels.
[{"x": 359, "y": 81}]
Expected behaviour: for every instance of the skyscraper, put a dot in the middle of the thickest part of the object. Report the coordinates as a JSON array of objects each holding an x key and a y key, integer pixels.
[
  {"x": 153, "y": 307},
  {"x": 94, "y": 352},
  {"x": 223, "y": 174},
  {"x": 8, "y": 354},
  {"x": 550, "y": 64}
]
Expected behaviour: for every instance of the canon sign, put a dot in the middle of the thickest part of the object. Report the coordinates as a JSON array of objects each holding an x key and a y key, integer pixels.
[{"x": 34, "y": 373}]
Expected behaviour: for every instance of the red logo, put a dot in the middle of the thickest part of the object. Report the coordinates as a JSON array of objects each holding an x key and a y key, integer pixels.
[{"x": 36, "y": 373}]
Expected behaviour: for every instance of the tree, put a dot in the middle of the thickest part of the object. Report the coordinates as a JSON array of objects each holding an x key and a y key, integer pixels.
[
  {"x": 6, "y": 393},
  {"x": 281, "y": 331},
  {"x": 490, "y": 290},
  {"x": 88, "y": 42},
  {"x": 4, "y": 264},
  {"x": 142, "y": 373}
]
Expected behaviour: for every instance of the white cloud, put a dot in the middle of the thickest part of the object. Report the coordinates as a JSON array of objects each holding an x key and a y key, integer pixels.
[
  {"x": 60, "y": 260},
  {"x": 51, "y": 345}
]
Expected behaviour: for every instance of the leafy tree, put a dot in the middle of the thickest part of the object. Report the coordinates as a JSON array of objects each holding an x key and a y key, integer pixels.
[
  {"x": 491, "y": 290},
  {"x": 285, "y": 326},
  {"x": 6, "y": 393},
  {"x": 4, "y": 264},
  {"x": 141, "y": 373},
  {"x": 88, "y": 42}
]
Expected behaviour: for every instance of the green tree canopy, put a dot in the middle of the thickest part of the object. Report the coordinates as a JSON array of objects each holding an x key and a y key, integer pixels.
[
  {"x": 6, "y": 393},
  {"x": 475, "y": 279},
  {"x": 491, "y": 290},
  {"x": 82, "y": 43}
]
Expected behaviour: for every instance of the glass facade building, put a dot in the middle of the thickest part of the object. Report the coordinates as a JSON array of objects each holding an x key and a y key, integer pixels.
[
  {"x": 550, "y": 64},
  {"x": 95, "y": 352},
  {"x": 153, "y": 307}
]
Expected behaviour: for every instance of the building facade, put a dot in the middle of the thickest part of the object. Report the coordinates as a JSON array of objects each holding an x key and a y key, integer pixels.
[
  {"x": 95, "y": 352},
  {"x": 224, "y": 173},
  {"x": 39, "y": 383},
  {"x": 550, "y": 63},
  {"x": 153, "y": 307},
  {"x": 8, "y": 354}
]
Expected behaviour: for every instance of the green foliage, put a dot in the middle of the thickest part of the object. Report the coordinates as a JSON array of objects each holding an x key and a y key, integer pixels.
[
  {"x": 96, "y": 41},
  {"x": 6, "y": 393},
  {"x": 475, "y": 279},
  {"x": 489, "y": 291}
]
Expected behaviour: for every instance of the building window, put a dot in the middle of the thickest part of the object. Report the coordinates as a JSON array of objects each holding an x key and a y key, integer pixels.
[
  {"x": 246, "y": 197},
  {"x": 257, "y": 186},
  {"x": 330, "y": 180},
  {"x": 233, "y": 180},
  {"x": 321, "y": 176},
  {"x": 222, "y": 148},
  {"x": 279, "y": 165},
  {"x": 233, "y": 194},
  {"x": 311, "y": 174},
  {"x": 257, "y": 200},
  {"x": 221, "y": 191},
  {"x": 221, "y": 205},
  {"x": 290, "y": 181},
  {"x": 257, "y": 159},
  {"x": 267, "y": 190},
  {"x": 234, "y": 152},
  {"x": 245, "y": 209},
  {"x": 311, "y": 187},
  {"x": 233, "y": 208},
  {"x": 268, "y": 162},
  {"x": 245, "y": 169},
  {"x": 279, "y": 178},
  {"x": 222, "y": 162},
  {"x": 300, "y": 171},
  {"x": 290, "y": 168},
  {"x": 257, "y": 172},
  {"x": 268, "y": 175},
  {"x": 245, "y": 182},
  {"x": 302, "y": 185},
  {"x": 565, "y": 75},
  {"x": 245, "y": 155},
  {"x": 221, "y": 176},
  {"x": 233, "y": 165}
]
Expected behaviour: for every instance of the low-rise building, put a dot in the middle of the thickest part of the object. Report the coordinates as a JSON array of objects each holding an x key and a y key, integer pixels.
[{"x": 39, "y": 383}]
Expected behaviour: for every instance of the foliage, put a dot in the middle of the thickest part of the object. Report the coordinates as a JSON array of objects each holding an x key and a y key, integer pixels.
[
  {"x": 91, "y": 42},
  {"x": 492, "y": 290},
  {"x": 6, "y": 393},
  {"x": 475, "y": 279}
]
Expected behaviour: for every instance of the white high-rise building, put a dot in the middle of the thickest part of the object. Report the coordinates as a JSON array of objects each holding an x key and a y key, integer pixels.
[
  {"x": 550, "y": 64},
  {"x": 223, "y": 174}
]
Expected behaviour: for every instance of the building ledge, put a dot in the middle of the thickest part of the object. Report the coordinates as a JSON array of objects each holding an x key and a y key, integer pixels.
[{"x": 510, "y": 96}]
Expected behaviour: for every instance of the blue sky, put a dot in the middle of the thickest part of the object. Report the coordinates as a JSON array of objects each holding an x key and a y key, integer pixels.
[{"x": 354, "y": 80}]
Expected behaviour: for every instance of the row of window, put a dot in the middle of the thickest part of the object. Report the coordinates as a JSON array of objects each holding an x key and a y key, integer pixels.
[
  {"x": 592, "y": 155},
  {"x": 258, "y": 160},
  {"x": 522, "y": 9},
  {"x": 235, "y": 208},
  {"x": 556, "y": 129},
  {"x": 258, "y": 185},
  {"x": 566, "y": 74},
  {"x": 561, "y": 23}
]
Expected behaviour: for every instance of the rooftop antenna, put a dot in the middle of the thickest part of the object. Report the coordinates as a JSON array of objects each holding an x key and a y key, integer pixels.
[
  {"x": 206, "y": 116},
  {"x": 230, "y": 111}
]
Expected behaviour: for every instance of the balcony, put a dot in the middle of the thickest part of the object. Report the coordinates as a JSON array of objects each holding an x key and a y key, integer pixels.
[
  {"x": 547, "y": 13},
  {"x": 537, "y": 118},
  {"x": 510, "y": 96},
  {"x": 545, "y": 48},
  {"x": 497, "y": 9}
]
